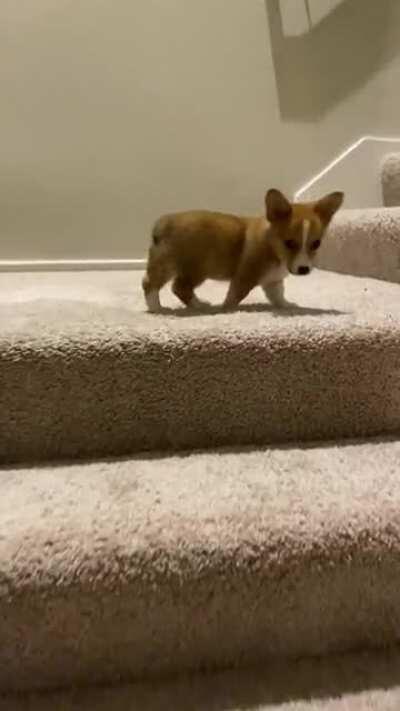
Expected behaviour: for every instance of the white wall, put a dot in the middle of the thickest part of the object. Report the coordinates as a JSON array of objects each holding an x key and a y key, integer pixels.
[
  {"x": 116, "y": 110},
  {"x": 361, "y": 171}
]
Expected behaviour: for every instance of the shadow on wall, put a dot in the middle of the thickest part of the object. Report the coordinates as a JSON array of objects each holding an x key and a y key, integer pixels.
[{"x": 334, "y": 57}]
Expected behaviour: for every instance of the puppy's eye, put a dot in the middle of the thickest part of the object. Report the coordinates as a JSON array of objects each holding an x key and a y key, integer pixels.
[
  {"x": 290, "y": 244},
  {"x": 315, "y": 245}
]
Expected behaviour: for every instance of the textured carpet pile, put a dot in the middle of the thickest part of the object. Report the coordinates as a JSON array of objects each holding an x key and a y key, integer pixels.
[
  {"x": 188, "y": 492},
  {"x": 365, "y": 243},
  {"x": 86, "y": 372},
  {"x": 390, "y": 180},
  {"x": 148, "y": 566}
]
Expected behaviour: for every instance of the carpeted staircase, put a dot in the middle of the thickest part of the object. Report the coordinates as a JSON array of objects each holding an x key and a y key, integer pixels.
[{"x": 191, "y": 492}]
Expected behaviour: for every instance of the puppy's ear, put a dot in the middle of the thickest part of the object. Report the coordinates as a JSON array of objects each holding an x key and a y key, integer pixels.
[
  {"x": 278, "y": 208},
  {"x": 328, "y": 205}
]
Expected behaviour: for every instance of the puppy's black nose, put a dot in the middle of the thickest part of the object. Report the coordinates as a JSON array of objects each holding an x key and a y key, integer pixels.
[{"x": 303, "y": 270}]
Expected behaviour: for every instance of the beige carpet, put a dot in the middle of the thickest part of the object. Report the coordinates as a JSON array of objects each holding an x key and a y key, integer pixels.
[
  {"x": 358, "y": 682},
  {"x": 390, "y": 180},
  {"x": 112, "y": 571},
  {"x": 120, "y": 570},
  {"x": 367, "y": 242},
  {"x": 85, "y": 371}
]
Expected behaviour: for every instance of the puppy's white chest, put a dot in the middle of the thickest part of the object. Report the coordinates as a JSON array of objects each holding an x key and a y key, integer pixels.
[{"x": 275, "y": 274}]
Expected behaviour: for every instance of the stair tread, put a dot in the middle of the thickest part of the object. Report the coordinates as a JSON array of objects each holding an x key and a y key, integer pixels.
[
  {"x": 85, "y": 371},
  {"x": 112, "y": 302},
  {"x": 155, "y": 564}
]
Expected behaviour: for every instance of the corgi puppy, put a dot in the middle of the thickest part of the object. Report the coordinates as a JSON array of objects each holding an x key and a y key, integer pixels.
[{"x": 190, "y": 247}]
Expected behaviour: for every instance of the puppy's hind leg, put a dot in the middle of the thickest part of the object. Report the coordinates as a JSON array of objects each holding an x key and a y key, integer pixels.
[
  {"x": 159, "y": 271},
  {"x": 183, "y": 287}
]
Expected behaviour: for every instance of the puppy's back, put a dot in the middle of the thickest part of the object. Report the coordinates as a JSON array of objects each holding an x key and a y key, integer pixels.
[
  {"x": 179, "y": 225},
  {"x": 212, "y": 241}
]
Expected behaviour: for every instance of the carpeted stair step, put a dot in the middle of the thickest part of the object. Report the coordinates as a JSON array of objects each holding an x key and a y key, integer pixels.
[
  {"x": 136, "y": 568},
  {"x": 390, "y": 180},
  {"x": 364, "y": 243},
  {"x": 86, "y": 372},
  {"x": 365, "y": 681}
]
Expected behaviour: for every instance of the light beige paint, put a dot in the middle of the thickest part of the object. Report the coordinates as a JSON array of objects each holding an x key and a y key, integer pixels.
[{"x": 113, "y": 112}]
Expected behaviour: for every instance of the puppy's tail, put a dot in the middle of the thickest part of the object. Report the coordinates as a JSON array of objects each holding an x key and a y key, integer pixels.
[{"x": 160, "y": 230}]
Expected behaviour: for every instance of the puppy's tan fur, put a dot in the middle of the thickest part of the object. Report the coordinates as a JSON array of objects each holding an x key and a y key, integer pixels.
[{"x": 190, "y": 247}]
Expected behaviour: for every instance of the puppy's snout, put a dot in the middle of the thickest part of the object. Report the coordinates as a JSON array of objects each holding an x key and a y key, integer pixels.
[{"x": 303, "y": 270}]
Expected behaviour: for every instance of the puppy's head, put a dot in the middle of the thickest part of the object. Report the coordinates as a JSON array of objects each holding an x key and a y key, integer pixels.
[{"x": 299, "y": 228}]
